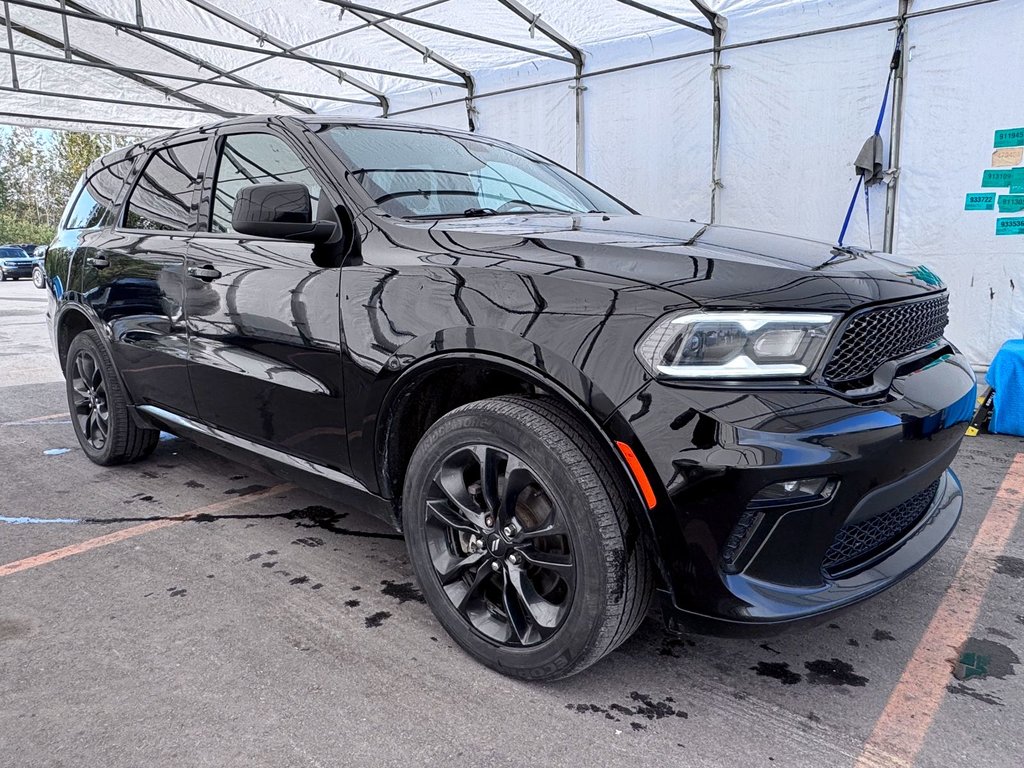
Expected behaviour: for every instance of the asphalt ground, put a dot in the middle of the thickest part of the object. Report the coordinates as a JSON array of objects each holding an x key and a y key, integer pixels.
[{"x": 192, "y": 612}]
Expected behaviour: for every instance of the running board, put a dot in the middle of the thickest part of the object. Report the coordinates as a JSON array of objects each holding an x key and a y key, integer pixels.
[{"x": 248, "y": 445}]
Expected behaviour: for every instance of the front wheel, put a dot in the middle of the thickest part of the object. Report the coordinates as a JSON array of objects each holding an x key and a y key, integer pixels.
[
  {"x": 523, "y": 538},
  {"x": 37, "y": 278}
]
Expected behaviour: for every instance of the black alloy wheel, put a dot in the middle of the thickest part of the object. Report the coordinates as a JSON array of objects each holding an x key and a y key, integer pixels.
[
  {"x": 524, "y": 537},
  {"x": 100, "y": 412},
  {"x": 499, "y": 546},
  {"x": 89, "y": 399}
]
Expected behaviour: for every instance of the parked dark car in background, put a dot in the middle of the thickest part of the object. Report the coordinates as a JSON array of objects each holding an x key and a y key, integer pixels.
[
  {"x": 39, "y": 266},
  {"x": 567, "y": 408},
  {"x": 15, "y": 263}
]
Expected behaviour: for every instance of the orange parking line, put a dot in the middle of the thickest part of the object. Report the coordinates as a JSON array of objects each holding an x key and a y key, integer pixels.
[
  {"x": 135, "y": 530},
  {"x": 904, "y": 723}
]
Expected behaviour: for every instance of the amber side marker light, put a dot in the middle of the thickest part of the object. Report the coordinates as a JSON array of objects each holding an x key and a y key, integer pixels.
[{"x": 638, "y": 473}]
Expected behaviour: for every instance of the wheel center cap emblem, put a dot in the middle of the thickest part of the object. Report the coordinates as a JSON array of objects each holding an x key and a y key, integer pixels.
[{"x": 495, "y": 544}]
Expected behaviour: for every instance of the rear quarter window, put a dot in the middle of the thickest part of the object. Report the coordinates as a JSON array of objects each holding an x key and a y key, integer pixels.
[{"x": 94, "y": 205}]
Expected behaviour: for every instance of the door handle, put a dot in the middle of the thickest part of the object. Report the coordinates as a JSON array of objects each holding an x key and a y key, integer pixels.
[
  {"x": 98, "y": 261},
  {"x": 207, "y": 273}
]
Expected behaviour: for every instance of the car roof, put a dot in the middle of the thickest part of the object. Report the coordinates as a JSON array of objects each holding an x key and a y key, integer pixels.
[{"x": 265, "y": 119}]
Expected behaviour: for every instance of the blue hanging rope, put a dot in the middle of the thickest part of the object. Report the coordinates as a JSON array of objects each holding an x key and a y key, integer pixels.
[{"x": 893, "y": 64}]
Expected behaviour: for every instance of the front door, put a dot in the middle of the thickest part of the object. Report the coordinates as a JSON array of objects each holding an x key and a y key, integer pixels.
[{"x": 263, "y": 319}]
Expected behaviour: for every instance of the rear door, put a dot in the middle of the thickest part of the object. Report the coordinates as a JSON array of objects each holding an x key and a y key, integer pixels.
[
  {"x": 263, "y": 319},
  {"x": 132, "y": 274}
]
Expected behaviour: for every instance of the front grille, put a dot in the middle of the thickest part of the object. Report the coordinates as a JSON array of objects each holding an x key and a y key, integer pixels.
[
  {"x": 887, "y": 333},
  {"x": 858, "y": 541}
]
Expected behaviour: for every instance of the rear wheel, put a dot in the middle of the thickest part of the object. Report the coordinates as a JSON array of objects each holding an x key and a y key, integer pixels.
[
  {"x": 37, "y": 278},
  {"x": 99, "y": 408},
  {"x": 522, "y": 538}
]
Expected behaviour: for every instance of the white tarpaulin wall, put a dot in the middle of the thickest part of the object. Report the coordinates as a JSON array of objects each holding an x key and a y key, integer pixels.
[{"x": 800, "y": 82}]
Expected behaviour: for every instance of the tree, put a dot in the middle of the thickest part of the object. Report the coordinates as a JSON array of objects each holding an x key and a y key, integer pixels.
[{"x": 38, "y": 175}]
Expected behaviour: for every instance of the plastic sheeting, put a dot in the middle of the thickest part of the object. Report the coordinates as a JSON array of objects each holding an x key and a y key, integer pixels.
[{"x": 801, "y": 85}]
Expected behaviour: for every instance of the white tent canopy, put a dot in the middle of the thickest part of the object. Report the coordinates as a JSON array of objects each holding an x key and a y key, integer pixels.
[{"x": 744, "y": 112}]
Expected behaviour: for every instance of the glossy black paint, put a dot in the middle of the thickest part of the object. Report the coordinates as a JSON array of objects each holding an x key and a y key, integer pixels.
[{"x": 319, "y": 351}]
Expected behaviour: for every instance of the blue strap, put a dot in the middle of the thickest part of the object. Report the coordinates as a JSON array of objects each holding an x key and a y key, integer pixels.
[
  {"x": 849, "y": 211},
  {"x": 878, "y": 130}
]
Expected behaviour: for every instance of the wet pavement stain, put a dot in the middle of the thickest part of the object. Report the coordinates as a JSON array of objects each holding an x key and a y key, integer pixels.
[
  {"x": 777, "y": 670},
  {"x": 403, "y": 593},
  {"x": 673, "y": 644},
  {"x": 984, "y": 698},
  {"x": 978, "y": 659},
  {"x": 245, "y": 491},
  {"x": 766, "y": 647},
  {"x": 310, "y": 542},
  {"x": 176, "y": 592},
  {"x": 299, "y": 580},
  {"x": 376, "y": 619},
  {"x": 1010, "y": 566},
  {"x": 193, "y": 484},
  {"x": 352, "y": 603},
  {"x": 881, "y": 634},
  {"x": 643, "y": 706},
  {"x": 318, "y": 516},
  {"x": 1000, "y": 633},
  {"x": 834, "y": 672}
]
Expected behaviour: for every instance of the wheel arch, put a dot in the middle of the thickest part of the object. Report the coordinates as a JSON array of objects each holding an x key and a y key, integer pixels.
[{"x": 461, "y": 376}]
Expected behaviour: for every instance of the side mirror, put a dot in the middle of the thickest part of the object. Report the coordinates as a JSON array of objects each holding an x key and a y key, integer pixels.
[{"x": 281, "y": 211}]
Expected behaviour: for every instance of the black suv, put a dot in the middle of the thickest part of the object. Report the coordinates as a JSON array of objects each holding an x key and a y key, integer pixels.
[{"x": 565, "y": 406}]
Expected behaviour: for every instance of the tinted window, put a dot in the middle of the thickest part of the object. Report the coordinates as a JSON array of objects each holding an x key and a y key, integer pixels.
[
  {"x": 162, "y": 198},
  {"x": 412, "y": 173},
  {"x": 94, "y": 206},
  {"x": 255, "y": 158},
  {"x": 12, "y": 253}
]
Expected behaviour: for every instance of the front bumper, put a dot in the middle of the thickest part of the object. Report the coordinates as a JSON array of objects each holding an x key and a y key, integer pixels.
[
  {"x": 19, "y": 271},
  {"x": 726, "y": 558}
]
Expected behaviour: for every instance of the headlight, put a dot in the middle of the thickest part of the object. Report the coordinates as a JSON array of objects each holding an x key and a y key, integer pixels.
[{"x": 735, "y": 345}]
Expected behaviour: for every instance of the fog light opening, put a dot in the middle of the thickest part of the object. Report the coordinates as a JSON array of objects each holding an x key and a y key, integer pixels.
[{"x": 790, "y": 491}]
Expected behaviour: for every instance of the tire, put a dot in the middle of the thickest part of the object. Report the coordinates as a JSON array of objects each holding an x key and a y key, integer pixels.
[
  {"x": 38, "y": 280},
  {"x": 15, "y": 279},
  {"x": 3, "y": 276},
  {"x": 99, "y": 408},
  {"x": 545, "y": 577}
]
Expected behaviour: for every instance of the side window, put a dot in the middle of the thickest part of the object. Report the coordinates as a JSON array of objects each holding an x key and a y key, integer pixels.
[
  {"x": 95, "y": 204},
  {"x": 162, "y": 198},
  {"x": 255, "y": 158}
]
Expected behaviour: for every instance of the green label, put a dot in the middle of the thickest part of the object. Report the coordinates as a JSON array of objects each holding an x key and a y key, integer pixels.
[
  {"x": 1017, "y": 181},
  {"x": 1010, "y": 137},
  {"x": 998, "y": 177},
  {"x": 1011, "y": 203},
  {"x": 980, "y": 201},
  {"x": 1012, "y": 226}
]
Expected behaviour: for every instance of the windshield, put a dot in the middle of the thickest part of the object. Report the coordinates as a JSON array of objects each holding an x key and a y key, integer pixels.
[
  {"x": 13, "y": 253},
  {"x": 422, "y": 174}
]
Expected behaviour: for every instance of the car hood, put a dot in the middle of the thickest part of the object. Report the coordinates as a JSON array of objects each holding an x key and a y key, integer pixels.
[{"x": 711, "y": 265}]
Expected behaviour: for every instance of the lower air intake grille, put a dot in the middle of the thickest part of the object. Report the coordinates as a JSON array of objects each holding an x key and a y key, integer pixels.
[
  {"x": 887, "y": 333},
  {"x": 858, "y": 541}
]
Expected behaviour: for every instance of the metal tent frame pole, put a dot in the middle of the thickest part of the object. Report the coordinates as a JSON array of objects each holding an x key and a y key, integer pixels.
[
  {"x": 576, "y": 55},
  {"x": 145, "y": 31},
  {"x": 96, "y": 63},
  {"x": 467, "y": 77},
  {"x": 90, "y": 59},
  {"x": 896, "y": 132},
  {"x": 718, "y": 27},
  {"x": 262, "y": 34},
  {"x": 447, "y": 30},
  {"x": 308, "y": 44}
]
